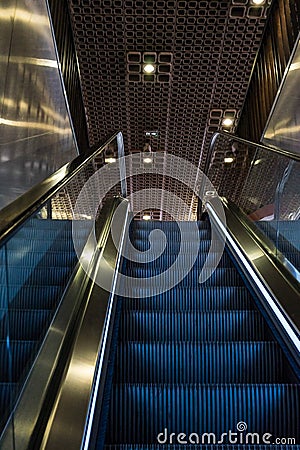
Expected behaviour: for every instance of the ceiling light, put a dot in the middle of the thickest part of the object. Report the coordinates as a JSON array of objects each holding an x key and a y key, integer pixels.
[
  {"x": 258, "y": 2},
  {"x": 227, "y": 122},
  {"x": 149, "y": 68},
  {"x": 146, "y": 217},
  {"x": 228, "y": 159},
  {"x": 110, "y": 160},
  {"x": 147, "y": 160},
  {"x": 258, "y": 161}
]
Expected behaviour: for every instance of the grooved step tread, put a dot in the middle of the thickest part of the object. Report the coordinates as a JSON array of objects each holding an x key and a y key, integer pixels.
[
  {"x": 139, "y": 412},
  {"x": 193, "y": 299},
  {"x": 185, "y": 362},
  {"x": 189, "y": 326}
]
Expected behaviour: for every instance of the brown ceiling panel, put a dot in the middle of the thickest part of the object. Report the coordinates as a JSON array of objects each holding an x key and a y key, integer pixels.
[{"x": 203, "y": 54}]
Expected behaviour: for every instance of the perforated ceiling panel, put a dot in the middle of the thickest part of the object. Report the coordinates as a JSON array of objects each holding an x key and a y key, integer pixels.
[{"x": 203, "y": 55}]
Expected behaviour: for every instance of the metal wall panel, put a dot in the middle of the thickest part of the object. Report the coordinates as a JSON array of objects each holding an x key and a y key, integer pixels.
[
  {"x": 280, "y": 36},
  {"x": 36, "y": 136},
  {"x": 283, "y": 127}
]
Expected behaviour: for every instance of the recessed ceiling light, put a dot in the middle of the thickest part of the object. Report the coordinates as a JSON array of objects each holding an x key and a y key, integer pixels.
[
  {"x": 258, "y": 161},
  {"x": 149, "y": 68},
  {"x": 148, "y": 160},
  {"x": 110, "y": 160},
  {"x": 258, "y": 2},
  {"x": 146, "y": 217},
  {"x": 228, "y": 159},
  {"x": 227, "y": 122}
]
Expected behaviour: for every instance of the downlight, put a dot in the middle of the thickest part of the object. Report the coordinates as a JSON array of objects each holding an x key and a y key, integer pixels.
[
  {"x": 110, "y": 159},
  {"x": 228, "y": 159},
  {"x": 149, "y": 68},
  {"x": 148, "y": 160},
  {"x": 146, "y": 216},
  {"x": 258, "y": 2},
  {"x": 227, "y": 122}
]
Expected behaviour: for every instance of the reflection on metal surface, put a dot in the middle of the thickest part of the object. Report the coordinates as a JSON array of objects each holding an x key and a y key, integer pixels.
[
  {"x": 36, "y": 125},
  {"x": 283, "y": 127},
  {"x": 34, "y": 61},
  {"x": 35, "y": 137}
]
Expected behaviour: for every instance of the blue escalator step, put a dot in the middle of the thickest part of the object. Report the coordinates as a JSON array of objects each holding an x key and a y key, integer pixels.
[
  {"x": 167, "y": 225},
  {"x": 40, "y": 245},
  {"x": 185, "y": 298},
  {"x": 220, "y": 277},
  {"x": 29, "y": 297},
  {"x": 188, "y": 326},
  {"x": 7, "y": 396},
  {"x": 35, "y": 275},
  {"x": 174, "y": 236},
  {"x": 140, "y": 412},
  {"x": 50, "y": 234},
  {"x": 14, "y": 358},
  {"x": 35, "y": 258},
  {"x": 27, "y": 325},
  {"x": 36, "y": 297},
  {"x": 176, "y": 247},
  {"x": 186, "y": 362},
  {"x": 164, "y": 261}
]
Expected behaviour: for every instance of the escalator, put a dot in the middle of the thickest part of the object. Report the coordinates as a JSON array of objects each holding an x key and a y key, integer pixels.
[
  {"x": 91, "y": 365},
  {"x": 197, "y": 361},
  {"x": 32, "y": 284}
]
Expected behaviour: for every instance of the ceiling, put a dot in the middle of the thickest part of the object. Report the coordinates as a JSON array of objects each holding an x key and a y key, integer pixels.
[{"x": 203, "y": 52}]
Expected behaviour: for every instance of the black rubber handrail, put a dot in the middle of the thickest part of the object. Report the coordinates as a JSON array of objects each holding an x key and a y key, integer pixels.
[
  {"x": 228, "y": 135},
  {"x": 14, "y": 214}
]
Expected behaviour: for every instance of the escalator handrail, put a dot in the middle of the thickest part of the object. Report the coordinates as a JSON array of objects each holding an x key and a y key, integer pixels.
[
  {"x": 228, "y": 135},
  {"x": 13, "y": 215}
]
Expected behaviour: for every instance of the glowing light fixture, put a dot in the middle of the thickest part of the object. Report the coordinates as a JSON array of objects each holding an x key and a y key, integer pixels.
[
  {"x": 110, "y": 160},
  {"x": 227, "y": 122},
  {"x": 149, "y": 68},
  {"x": 228, "y": 159},
  {"x": 258, "y": 2},
  {"x": 258, "y": 161},
  {"x": 146, "y": 217},
  {"x": 148, "y": 160}
]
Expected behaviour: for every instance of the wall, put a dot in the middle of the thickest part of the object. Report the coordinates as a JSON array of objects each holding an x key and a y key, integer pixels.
[
  {"x": 35, "y": 131},
  {"x": 279, "y": 38}
]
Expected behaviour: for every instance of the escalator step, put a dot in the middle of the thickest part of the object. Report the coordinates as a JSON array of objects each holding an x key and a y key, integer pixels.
[
  {"x": 140, "y": 412},
  {"x": 24, "y": 325},
  {"x": 32, "y": 259},
  {"x": 174, "y": 236},
  {"x": 14, "y": 358},
  {"x": 41, "y": 245},
  {"x": 29, "y": 297},
  {"x": 220, "y": 277},
  {"x": 171, "y": 225},
  {"x": 166, "y": 260},
  {"x": 174, "y": 247},
  {"x": 7, "y": 395},
  {"x": 36, "y": 276},
  {"x": 50, "y": 234},
  {"x": 184, "y": 299},
  {"x": 184, "y": 362},
  {"x": 197, "y": 326}
]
